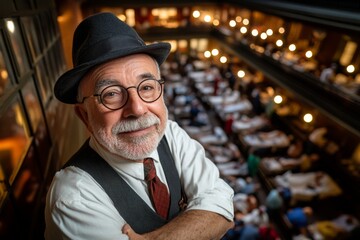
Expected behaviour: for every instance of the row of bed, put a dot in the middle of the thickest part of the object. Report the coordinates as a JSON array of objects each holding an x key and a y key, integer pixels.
[{"x": 272, "y": 172}]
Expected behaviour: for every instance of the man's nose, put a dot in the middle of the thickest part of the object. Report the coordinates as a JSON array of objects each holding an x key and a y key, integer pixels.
[{"x": 135, "y": 106}]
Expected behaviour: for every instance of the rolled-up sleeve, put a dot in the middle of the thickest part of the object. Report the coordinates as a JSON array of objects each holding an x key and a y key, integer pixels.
[{"x": 200, "y": 177}]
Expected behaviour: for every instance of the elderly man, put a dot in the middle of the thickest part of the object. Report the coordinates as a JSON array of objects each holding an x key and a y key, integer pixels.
[{"x": 139, "y": 176}]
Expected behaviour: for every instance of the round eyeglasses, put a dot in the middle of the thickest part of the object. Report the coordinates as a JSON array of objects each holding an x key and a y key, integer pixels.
[{"x": 115, "y": 97}]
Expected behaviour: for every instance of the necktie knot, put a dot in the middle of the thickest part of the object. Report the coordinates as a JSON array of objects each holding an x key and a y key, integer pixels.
[{"x": 149, "y": 169}]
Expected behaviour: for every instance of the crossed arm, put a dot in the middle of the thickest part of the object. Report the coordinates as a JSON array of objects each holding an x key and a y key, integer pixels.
[{"x": 192, "y": 224}]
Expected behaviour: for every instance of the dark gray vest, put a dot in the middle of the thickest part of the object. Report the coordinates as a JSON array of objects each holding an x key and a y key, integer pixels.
[{"x": 130, "y": 206}]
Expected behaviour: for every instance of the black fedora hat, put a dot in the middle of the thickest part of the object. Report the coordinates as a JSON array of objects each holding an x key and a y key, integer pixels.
[{"x": 98, "y": 39}]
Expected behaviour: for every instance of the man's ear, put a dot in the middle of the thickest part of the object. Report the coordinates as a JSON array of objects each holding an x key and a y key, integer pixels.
[{"x": 83, "y": 115}]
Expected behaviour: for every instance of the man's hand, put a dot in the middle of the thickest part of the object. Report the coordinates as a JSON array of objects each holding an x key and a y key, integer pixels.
[{"x": 131, "y": 233}]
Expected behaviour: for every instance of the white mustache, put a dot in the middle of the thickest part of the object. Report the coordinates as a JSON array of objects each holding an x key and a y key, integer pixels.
[{"x": 135, "y": 124}]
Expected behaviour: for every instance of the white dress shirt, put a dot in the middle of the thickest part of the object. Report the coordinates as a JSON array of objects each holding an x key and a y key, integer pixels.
[{"x": 78, "y": 208}]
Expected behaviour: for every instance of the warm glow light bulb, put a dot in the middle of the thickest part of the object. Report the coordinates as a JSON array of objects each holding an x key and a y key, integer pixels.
[
  {"x": 254, "y": 32},
  {"x": 308, "y": 118},
  {"x": 308, "y": 54},
  {"x": 207, "y": 18},
  {"x": 215, "y": 52},
  {"x": 245, "y": 21},
  {"x": 216, "y": 22},
  {"x": 238, "y": 19},
  {"x": 241, "y": 74},
  {"x": 243, "y": 30},
  {"x": 263, "y": 36},
  {"x": 279, "y": 43},
  {"x": 223, "y": 59},
  {"x": 207, "y": 54},
  {"x": 292, "y": 47},
  {"x": 350, "y": 68},
  {"x": 232, "y": 23},
  {"x": 269, "y": 32},
  {"x": 196, "y": 14},
  {"x": 278, "y": 99},
  {"x": 281, "y": 30}
]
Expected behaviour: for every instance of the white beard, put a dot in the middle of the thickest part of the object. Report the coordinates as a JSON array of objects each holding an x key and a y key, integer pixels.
[{"x": 134, "y": 148}]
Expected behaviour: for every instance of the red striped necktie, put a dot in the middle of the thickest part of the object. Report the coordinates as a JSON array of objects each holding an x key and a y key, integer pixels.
[{"x": 158, "y": 191}]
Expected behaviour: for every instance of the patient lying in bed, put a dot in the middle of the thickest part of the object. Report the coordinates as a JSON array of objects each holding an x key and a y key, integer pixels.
[
  {"x": 275, "y": 138},
  {"x": 307, "y": 186},
  {"x": 279, "y": 165}
]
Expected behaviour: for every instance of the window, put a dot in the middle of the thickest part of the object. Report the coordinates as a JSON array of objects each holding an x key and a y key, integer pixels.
[
  {"x": 42, "y": 78},
  {"x": 17, "y": 45},
  {"x": 31, "y": 35},
  {"x": 14, "y": 139},
  {"x": 5, "y": 71},
  {"x": 32, "y": 104}
]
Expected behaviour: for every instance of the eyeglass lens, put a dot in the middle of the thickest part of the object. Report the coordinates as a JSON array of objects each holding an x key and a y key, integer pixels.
[{"x": 115, "y": 97}]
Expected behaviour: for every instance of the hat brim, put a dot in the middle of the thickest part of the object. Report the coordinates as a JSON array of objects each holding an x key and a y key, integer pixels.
[{"x": 66, "y": 87}]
